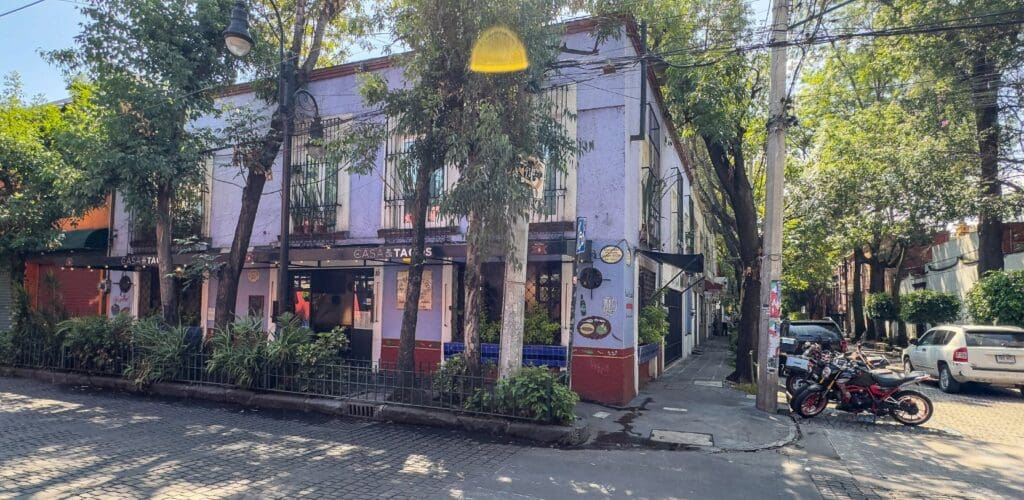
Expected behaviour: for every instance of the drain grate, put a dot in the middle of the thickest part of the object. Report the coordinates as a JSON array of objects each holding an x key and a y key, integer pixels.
[{"x": 362, "y": 410}]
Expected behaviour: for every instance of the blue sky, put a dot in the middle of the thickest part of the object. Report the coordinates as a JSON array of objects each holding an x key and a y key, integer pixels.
[{"x": 50, "y": 25}]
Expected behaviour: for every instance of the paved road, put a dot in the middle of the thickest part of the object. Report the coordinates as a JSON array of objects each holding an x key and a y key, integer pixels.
[
  {"x": 75, "y": 442},
  {"x": 58, "y": 442},
  {"x": 973, "y": 447}
]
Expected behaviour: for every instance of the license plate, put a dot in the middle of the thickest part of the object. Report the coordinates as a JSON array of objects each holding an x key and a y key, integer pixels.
[
  {"x": 1006, "y": 359},
  {"x": 797, "y": 362}
]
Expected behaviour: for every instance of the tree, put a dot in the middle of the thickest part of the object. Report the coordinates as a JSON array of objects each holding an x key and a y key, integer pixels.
[
  {"x": 980, "y": 45},
  {"x": 715, "y": 92},
  {"x": 497, "y": 130},
  {"x": 928, "y": 306},
  {"x": 998, "y": 298},
  {"x": 877, "y": 169},
  {"x": 154, "y": 65},
  {"x": 293, "y": 38},
  {"x": 38, "y": 172}
]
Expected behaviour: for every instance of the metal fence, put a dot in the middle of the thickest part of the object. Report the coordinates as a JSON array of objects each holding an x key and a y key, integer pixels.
[{"x": 374, "y": 382}]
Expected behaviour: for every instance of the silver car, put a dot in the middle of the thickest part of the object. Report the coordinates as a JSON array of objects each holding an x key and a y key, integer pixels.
[{"x": 957, "y": 354}]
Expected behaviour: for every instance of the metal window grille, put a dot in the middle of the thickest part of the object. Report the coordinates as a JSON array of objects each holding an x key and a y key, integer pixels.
[
  {"x": 400, "y": 182},
  {"x": 189, "y": 213},
  {"x": 551, "y": 199},
  {"x": 315, "y": 200}
]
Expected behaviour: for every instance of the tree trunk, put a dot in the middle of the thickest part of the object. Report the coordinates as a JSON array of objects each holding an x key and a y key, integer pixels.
[
  {"x": 407, "y": 338},
  {"x": 985, "y": 82},
  {"x": 231, "y": 272},
  {"x": 513, "y": 308},
  {"x": 876, "y": 284},
  {"x": 164, "y": 257},
  {"x": 732, "y": 175},
  {"x": 857, "y": 300},
  {"x": 471, "y": 317}
]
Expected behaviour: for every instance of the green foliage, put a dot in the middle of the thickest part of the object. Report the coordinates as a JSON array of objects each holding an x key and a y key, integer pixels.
[
  {"x": 38, "y": 174},
  {"x": 538, "y": 328},
  {"x": 450, "y": 379},
  {"x": 881, "y": 306},
  {"x": 490, "y": 331},
  {"x": 95, "y": 341},
  {"x": 998, "y": 299},
  {"x": 244, "y": 351},
  {"x": 159, "y": 351},
  {"x": 532, "y": 392},
  {"x": 327, "y": 347},
  {"x": 6, "y": 347},
  {"x": 653, "y": 322},
  {"x": 928, "y": 306},
  {"x": 239, "y": 351}
]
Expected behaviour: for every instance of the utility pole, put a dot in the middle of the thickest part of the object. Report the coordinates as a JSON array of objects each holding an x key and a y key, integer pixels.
[{"x": 771, "y": 262}]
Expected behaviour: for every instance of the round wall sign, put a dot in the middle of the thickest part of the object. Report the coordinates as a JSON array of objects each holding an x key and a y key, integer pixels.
[
  {"x": 594, "y": 327},
  {"x": 253, "y": 276},
  {"x": 591, "y": 278},
  {"x": 611, "y": 254}
]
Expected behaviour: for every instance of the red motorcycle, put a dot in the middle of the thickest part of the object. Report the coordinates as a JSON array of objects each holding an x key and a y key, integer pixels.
[{"x": 858, "y": 389}]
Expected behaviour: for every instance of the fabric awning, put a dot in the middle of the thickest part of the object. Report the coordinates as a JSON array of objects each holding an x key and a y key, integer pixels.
[
  {"x": 690, "y": 263},
  {"x": 84, "y": 239}
]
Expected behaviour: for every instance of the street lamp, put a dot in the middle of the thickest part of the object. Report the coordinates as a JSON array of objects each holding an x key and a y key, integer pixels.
[
  {"x": 237, "y": 37},
  {"x": 239, "y": 42}
]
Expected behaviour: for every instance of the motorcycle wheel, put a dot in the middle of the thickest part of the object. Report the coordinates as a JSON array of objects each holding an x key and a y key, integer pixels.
[
  {"x": 810, "y": 404},
  {"x": 796, "y": 382},
  {"x": 918, "y": 410}
]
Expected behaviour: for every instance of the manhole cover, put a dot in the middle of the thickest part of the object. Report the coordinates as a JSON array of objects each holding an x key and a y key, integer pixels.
[
  {"x": 684, "y": 438},
  {"x": 708, "y": 383}
]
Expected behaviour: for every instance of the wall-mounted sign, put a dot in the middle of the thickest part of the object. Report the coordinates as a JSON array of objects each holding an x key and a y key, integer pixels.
[
  {"x": 581, "y": 235},
  {"x": 591, "y": 278},
  {"x": 386, "y": 253},
  {"x": 611, "y": 254},
  {"x": 253, "y": 275},
  {"x": 609, "y": 306},
  {"x": 138, "y": 260},
  {"x": 125, "y": 283},
  {"x": 594, "y": 327},
  {"x": 426, "y": 290}
]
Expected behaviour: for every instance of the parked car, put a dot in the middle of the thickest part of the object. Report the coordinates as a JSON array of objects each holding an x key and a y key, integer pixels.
[
  {"x": 959, "y": 354},
  {"x": 822, "y": 331}
]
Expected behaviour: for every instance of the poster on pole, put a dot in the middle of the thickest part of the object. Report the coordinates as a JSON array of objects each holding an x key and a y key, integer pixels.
[
  {"x": 774, "y": 324},
  {"x": 581, "y": 235}
]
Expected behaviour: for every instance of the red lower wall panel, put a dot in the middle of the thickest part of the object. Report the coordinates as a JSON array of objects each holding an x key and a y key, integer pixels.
[
  {"x": 604, "y": 375},
  {"x": 427, "y": 355}
]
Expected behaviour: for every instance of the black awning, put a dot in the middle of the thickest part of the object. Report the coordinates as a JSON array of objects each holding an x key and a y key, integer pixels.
[
  {"x": 690, "y": 263},
  {"x": 83, "y": 239}
]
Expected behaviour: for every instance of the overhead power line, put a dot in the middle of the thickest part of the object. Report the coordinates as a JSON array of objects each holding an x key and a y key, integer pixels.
[{"x": 16, "y": 9}]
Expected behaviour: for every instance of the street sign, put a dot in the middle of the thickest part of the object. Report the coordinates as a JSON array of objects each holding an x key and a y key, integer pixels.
[{"x": 581, "y": 235}]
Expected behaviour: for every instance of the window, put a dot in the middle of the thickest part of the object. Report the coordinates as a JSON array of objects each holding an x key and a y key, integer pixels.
[
  {"x": 400, "y": 186},
  {"x": 995, "y": 339},
  {"x": 652, "y": 185},
  {"x": 927, "y": 338},
  {"x": 553, "y": 198},
  {"x": 315, "y": 198}
]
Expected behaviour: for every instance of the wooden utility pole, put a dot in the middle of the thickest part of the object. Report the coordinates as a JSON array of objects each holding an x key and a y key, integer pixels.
[{"x": 771, "y": 262}]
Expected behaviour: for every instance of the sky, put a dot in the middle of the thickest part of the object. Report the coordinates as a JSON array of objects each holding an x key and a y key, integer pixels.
[
  {"x": 49, "y": 25},
  {"x": 53, "y": 24}
]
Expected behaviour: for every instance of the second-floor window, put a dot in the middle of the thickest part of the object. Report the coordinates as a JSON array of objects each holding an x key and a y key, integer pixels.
[
  {"x": 316, "y": 197},
  {"x": 400, "y": 186},
  {"x": 652, "y": 185},
  {"x": 190, "y": 218}
]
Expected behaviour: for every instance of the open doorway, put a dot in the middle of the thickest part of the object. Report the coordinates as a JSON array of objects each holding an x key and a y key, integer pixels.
[{"x": 328, "y": 298}]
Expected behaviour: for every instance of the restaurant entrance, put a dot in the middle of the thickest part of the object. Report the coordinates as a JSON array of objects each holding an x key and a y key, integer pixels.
[{"x": 328, "y": 298}]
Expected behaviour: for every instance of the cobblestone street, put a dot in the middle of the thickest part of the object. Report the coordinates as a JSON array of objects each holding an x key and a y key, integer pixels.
[
  {"x": 973, "y": 447},
  {"x": 62, "y": 441}
]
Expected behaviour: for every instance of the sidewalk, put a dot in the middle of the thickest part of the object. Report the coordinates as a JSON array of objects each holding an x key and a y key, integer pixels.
[{"x": 691, "y": 406}]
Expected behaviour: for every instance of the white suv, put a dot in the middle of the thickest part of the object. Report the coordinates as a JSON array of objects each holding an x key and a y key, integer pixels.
[{"x": 969, "y": 353}]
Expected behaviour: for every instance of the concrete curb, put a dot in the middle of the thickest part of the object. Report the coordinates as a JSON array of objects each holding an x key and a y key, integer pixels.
[{"x": 564, "y": 435}]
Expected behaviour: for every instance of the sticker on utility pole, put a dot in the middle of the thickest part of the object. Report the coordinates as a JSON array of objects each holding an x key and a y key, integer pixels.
[{"x": 774, "y": 317}]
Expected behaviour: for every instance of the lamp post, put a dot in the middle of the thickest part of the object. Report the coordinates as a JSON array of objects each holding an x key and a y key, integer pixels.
[{"x": 239, "y": 42}]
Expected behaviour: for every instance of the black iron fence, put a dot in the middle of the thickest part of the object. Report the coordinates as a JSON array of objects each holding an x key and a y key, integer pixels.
[{"x": 428, "y": 386}]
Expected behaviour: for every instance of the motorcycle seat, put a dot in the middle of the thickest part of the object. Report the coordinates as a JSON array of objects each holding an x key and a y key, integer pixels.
[{"x": 890, "y": 379}]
